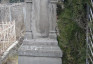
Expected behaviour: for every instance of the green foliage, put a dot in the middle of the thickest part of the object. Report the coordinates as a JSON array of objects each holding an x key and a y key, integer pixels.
[
  {"x": 59, "y": 9},
  {"x": 72, "y": 35}
]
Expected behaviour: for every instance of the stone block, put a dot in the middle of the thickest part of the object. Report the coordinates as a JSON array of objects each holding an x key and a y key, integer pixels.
[
  {"x": 4, "y": 13},
  {"x": 28, "y": 19},
  {"x": 28, "y": 35},
  {"x": 38, "y": 60},
  {"x": 40, "y": 51},
  {"x": 50, "y": 42},
  {"x": 17, "y": 14},
  {"x": 53, "y": 35},
  {"x": 11, "y": 12}
]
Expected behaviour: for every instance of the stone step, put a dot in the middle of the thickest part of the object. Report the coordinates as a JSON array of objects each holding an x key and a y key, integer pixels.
[
  {"x": 39, "y": 60},
  {"x": 51, "y": 42},
  {"x": 40, "y": 51}
]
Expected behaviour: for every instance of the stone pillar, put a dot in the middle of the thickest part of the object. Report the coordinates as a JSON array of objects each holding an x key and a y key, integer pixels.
[
  {"x": 52, "y": 19},
  {"x": 40, "y": 20},
  {"x": 28, "y": 34},
  {"x": 4, "y": 1}
]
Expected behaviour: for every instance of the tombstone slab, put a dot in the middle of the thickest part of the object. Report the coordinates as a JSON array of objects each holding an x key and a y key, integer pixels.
[{"x": 41, "y": 48}]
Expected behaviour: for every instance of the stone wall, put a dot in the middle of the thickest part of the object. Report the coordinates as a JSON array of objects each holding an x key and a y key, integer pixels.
[
  {"x": 10, "y": 12},
  {"x": 5, "y": 1}
]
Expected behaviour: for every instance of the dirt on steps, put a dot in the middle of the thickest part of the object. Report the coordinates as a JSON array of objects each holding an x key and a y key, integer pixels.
[
  {"x": 12, "y": 60},
  {"x": 13, "y": 56}
]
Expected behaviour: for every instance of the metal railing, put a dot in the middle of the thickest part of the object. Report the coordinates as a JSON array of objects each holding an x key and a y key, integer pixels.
[
  {"x": 7, "y": 35},
  {"x": 89, "y": 46},
  {"x": 89, "y": 34},
  {"x": 89, "y": 39}
]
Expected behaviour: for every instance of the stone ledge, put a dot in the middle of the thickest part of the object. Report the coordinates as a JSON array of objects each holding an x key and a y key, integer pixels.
[
  {"x": 49, "y": 42},
  {"x": 52, "y": 35},
  {"x": 38, "y": 60},
  {"x": 40, "y": 51}
]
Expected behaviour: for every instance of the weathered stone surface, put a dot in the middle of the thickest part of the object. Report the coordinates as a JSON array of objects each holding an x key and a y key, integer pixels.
[
  {"x": 17, "y": 14},
  {"x": 43, "y": 47},
  {"x": 41, "y": 41},
  {"x": 52, "y": 35},
  {"x": 28, "y": 35},
  {"x": 40, "y": 51},
  {"x": 4, "y": 13},
  {"x": 40, "y": 22},
  {"x": 52, "y": 20},
  {"x": 5, "y": 1},
  {"x": 40, "y": 48},
  {"x": 39, "y": 60},
  {"x": 52, "y": 14},
  {"x": 28, "y": 19},
  {"x": 11, "y": 12}
]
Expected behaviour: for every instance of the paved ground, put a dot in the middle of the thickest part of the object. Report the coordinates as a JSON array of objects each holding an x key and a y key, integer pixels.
[
  {"x": 13, "y": 57},
  {"x": 12, "y": 60}
]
